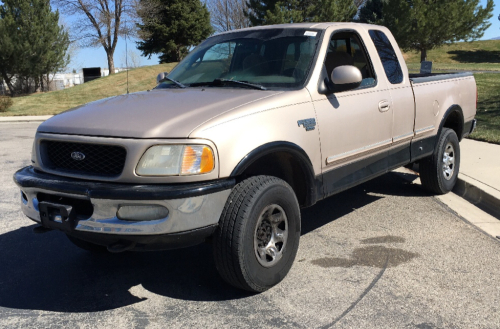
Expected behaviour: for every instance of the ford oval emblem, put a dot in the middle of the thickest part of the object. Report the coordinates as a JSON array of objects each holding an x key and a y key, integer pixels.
[{"x": 78, "y": 156}]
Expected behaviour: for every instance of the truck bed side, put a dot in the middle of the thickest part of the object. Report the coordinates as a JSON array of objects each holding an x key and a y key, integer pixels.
[{"x": 436, "y": 95}]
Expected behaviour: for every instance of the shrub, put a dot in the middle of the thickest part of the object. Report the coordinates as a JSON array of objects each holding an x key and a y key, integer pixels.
[{"x": 5, "y": 103}]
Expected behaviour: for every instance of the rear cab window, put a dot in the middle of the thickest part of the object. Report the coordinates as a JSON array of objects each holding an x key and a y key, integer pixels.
[{"x": 388, "y": 56}]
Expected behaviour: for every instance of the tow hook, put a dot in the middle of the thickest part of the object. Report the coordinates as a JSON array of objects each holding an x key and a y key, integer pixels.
[{"x": 121, "y": 246}]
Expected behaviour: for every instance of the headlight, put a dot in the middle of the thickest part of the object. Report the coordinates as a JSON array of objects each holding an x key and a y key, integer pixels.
[{"x": 172, "y": 160}]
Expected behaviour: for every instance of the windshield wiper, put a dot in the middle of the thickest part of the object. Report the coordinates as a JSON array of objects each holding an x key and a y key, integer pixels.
[
  {"x": 221, "y": 82},
  {"x": 180, "y": 85},
  {"x": 241, "y": 83}
]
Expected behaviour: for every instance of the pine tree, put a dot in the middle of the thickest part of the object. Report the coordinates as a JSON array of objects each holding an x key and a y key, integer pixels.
[
  {"x": 297, "y": 11},
  {"x": 371, "y": 12},
  {"x": 32, "y": 43},
  {"x": 335, "y": 11},
  {"x": 172, "y": 28},
  {"x": 284, "y": 12},
  {"x": 257, "y": 10},
  {"x": 422, "y": 25}
]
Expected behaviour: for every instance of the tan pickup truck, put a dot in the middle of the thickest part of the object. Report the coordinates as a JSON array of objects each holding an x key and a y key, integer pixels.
[{"x": 251, "y": 126}]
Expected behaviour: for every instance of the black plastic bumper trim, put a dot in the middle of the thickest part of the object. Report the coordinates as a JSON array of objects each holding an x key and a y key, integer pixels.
[
  {"x": 149, "y": 242},
  {"x": 28, "y": 177}
]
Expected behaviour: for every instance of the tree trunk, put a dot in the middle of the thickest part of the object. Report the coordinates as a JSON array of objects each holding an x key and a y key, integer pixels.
[
  {"x": 111, "y": 62},
  {"x": 423, "y": 55},
  {"x": 8, "y": 81}
]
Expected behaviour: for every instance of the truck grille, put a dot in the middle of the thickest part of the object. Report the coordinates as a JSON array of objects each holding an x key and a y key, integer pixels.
[{"x": 84, "y": 159}]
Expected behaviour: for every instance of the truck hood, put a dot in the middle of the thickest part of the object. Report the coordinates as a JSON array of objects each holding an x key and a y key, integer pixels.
[{"x": 161, "y": 113}]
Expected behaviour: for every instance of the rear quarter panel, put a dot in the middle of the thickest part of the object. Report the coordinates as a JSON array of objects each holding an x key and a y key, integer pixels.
[{"x": 434, "y": 98}]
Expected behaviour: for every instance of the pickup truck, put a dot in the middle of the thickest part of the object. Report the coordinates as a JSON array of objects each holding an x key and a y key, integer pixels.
[{"x": 251, "y": 126}]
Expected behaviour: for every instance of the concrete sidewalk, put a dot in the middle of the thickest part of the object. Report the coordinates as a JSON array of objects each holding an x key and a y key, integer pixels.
[
  {"x": 28, "y": 118},
  {"x": 476, "y": 195},
  {"x": 479, "y": 177}
]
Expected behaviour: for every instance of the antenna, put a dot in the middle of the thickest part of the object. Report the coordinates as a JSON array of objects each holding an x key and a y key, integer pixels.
[{"x": 126, "y": 52}]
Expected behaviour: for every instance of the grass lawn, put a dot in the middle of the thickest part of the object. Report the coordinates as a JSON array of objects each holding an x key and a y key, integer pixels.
[
  {"x": 477, "y": 55},
  {"x": 488, "y": 108},
  {"x": 57, "y": 101},
  {"x": 438, "y": 67}
]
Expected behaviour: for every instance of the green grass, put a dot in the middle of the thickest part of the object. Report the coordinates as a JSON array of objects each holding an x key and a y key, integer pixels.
[
  {"x": 443, "y": 67},
  {"x": 57, "y": 101},
  {"x": 488, "y": 108},
  {"x": 476, "y": 55}
]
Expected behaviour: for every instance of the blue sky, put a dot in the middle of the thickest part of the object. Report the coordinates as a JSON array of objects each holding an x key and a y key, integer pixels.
[{"x": 96, "y": 57}]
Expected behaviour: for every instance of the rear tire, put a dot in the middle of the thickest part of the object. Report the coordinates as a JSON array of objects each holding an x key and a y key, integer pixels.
[
  {"x": 258, "y": 234},
  {"x": 94, "y": 248},
  {"x": 439, "y": 172}
]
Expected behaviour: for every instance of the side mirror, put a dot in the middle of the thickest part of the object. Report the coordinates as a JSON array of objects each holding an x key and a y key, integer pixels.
[
  {"x": 346, "y": 77},
  {"x": 161, "y": 76}
]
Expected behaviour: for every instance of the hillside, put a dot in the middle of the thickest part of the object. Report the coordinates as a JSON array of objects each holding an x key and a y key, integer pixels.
[
  {"x": 476, "y": 55},
  {"x": 57, "y": 101}
]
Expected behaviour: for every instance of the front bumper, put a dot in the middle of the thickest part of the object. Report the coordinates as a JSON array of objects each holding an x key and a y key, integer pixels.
[{"x": 193, "y": 208}]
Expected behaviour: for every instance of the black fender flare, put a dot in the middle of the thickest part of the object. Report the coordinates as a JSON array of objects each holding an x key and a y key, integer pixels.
[
  {"x": 313, "y": 183},
  {"x": 449, "y": 111}
]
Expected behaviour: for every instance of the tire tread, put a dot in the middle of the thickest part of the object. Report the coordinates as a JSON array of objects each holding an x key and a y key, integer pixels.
[{"x": 227, "y": 247}]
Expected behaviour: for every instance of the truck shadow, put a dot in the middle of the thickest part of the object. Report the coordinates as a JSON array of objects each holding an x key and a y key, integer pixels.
[{"x": 46, "y": 272}]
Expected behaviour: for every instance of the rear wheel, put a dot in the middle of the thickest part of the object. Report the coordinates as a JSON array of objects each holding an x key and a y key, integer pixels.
[
  {"x": 258, "y": 234},
  {"x": 439, "y": 172}
]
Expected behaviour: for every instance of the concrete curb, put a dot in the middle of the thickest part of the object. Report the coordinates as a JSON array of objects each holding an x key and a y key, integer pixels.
[
  {"x": 475, "y": 192},
  {"x": 479, "y": 194},
  {"x": 29, "y": 118}
]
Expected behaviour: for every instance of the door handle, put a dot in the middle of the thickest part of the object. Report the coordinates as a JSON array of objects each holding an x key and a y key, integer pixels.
[{"x": 384, "y": 105}]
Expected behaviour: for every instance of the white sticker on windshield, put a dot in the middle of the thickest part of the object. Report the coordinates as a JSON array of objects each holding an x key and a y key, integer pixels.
[{"x": 310, "y": 33}]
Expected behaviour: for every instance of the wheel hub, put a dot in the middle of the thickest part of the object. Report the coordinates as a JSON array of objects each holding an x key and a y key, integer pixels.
[
  {"x": 270, "y": 237},
  {"x": 448, "y": 161}
]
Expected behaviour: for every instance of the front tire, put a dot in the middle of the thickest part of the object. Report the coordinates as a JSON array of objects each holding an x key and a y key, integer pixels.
[
  {"x": 258, "y": 234},
  {"x": 439, "y": 172}
]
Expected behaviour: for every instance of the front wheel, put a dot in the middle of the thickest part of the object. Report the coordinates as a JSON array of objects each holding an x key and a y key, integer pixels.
[
  {"x": 258, "y": 234},
  {"x": 439, "y": 172}
]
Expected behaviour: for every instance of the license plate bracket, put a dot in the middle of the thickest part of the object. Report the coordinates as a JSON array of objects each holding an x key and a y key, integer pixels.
[{"x": 57, "y": 216}]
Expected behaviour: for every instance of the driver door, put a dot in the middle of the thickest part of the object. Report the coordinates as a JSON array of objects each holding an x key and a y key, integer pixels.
[{"x": 356, "y": 125}]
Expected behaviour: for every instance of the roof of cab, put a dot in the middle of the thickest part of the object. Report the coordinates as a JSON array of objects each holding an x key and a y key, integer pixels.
[{"x": 320, "y": 26}]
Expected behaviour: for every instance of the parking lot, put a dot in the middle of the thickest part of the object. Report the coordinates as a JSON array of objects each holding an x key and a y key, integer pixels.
[{"x": 382, "y": 255}]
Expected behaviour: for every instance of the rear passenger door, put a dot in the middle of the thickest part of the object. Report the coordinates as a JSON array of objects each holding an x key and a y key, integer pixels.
[
  {"x": 403, "y": 103},
  {"x": 356, "y": 125}
]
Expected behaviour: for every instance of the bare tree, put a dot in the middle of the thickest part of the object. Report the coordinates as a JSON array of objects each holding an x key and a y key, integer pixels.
[
  {"x": 228, "y": 14},
  {"x": 130, "y": 59},
  {"x": 99, "y": 23}
]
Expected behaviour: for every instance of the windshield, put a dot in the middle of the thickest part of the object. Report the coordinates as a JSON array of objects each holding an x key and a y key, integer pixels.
[{"x": 267, "y": 57}]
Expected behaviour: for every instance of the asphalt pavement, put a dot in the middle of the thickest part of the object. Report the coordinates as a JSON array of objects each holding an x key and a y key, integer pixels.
[{"x": 382, "y": 255}]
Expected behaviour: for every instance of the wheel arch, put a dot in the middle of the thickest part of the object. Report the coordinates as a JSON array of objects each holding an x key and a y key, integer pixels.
[
  {"x": 453, "y": 118},
  {"x": 287, "y": 161}
]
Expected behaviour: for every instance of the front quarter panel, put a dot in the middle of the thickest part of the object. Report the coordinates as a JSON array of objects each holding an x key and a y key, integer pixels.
[{"x": 238, "y": 133}]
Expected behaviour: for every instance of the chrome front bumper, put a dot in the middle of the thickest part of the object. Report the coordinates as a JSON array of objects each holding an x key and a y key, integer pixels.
[{"x": 190, "y": 206}]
